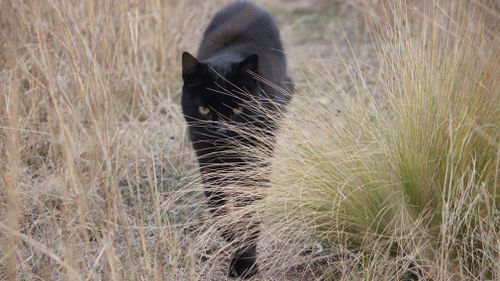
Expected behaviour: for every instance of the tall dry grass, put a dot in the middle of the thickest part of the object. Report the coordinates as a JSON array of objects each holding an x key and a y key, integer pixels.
[
  {"x": 376, "y": 177},
  {"x": 401, "y": 183},
  {"x": 92, "y": 139}
]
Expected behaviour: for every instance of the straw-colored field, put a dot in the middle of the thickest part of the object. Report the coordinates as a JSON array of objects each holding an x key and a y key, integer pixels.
[{"x": 386, "y": 167}]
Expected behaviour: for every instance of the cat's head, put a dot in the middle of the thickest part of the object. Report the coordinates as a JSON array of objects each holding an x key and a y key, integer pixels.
[{"x": 218, "y": 91}]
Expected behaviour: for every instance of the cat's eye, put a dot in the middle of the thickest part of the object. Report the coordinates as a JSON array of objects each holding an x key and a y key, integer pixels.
[
  {"x": 203, "y": 110},
  {"x": 238, "y": 110}
]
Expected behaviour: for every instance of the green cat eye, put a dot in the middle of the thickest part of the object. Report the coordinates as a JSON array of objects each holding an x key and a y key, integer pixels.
[
  {"x": 203, "y": 110},
  {"x": 238, "y": 110}
]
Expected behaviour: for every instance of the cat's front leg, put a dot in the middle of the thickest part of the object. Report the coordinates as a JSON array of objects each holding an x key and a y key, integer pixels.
[{"x": 244, "y": 262}]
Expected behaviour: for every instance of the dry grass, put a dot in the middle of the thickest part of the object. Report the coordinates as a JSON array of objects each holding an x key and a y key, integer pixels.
[
  {"x": 402, "y": 181},
  {"x": 92, "y": 138},
  {"x": 98, "y": 181}
]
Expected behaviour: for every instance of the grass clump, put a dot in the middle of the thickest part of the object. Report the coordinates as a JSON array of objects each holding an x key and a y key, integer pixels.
[{"x": 404, "y": 182}]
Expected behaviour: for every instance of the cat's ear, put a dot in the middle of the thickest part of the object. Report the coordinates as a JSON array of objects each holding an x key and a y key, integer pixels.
[
  {"x": 189, "y": 64},
  {"x": 249, "y": 64}
]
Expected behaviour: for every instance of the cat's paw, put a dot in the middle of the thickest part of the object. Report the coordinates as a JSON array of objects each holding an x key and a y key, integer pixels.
[{"x": 243, "y": 266}]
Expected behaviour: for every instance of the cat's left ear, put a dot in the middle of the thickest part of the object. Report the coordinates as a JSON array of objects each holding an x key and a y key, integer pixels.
[
  {"x": 189, "y": 63},
  {"x": 249, "y": 64}
]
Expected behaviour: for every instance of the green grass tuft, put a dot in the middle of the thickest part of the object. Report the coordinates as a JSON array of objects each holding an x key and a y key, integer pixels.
[{"x": 413, "y": 171}]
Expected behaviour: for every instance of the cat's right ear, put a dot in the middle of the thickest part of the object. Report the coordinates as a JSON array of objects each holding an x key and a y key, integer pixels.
[{"x": 189, "y": 64}]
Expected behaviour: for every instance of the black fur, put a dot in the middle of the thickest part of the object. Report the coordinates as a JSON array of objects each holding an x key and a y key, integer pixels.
[{"x": 220, "y": 88}]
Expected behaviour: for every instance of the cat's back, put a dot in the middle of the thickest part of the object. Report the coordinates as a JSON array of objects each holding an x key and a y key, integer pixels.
[{"x": 241, "y": 23}]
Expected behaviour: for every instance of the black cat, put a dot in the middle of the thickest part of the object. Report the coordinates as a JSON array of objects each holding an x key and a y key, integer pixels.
[{"x": 233, "y": 83}]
